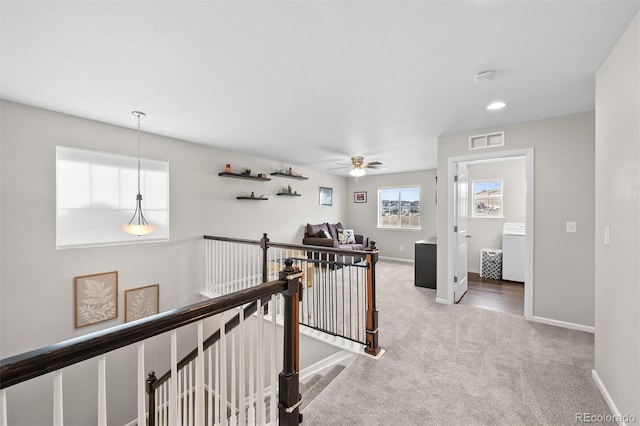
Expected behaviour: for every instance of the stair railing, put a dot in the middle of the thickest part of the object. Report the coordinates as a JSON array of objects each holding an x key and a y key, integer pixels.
[
  {"x": 52, "y": 359},
  {"x": 339, "y": 286}
]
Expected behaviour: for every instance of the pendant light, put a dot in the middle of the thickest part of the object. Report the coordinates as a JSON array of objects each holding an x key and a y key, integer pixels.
[{"x": 138, "y": 225}]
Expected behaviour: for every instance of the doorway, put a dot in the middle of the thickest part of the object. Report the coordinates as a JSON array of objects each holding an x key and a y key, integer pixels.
[{"x": 457, "y": 262}]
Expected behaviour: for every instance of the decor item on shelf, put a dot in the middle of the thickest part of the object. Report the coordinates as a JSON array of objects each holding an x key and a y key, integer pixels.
[
  {"x": 262, "y": 175},
  {"x": 227, "y": 168},
  {"x": 246, "y": 171},
  {"x": 290, "y": 171},
  {"x": 138, "y": 225},
  {"x": 289, "y": 189},
  {"x": 253, "y": 195}
]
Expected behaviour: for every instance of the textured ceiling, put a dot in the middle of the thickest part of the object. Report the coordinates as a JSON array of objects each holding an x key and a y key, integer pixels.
[{"x": 309, "y": 83}]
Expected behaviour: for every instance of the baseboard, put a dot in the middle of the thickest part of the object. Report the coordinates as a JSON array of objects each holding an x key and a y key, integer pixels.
[
  {"x": 442, "y": 301},
  {"x": 616, "y": 416},
  {"x": 564, "y": 324},
  {"x": 321, "y": 367},
  {"x": 396, "y": 259}
]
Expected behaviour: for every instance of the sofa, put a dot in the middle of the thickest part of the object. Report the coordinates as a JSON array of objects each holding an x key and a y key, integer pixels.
[{"x": 334, "y": 235}]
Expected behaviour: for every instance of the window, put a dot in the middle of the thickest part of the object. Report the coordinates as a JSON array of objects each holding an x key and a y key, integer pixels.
[
  {"x": 96, "y": 193},
  {"x": 487, "y": 198},
  {"x": 399, "y": 207}
]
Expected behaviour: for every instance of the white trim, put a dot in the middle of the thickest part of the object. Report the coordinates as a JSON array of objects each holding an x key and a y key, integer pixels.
[
  {"x": 397, "y": 259},
  {"x": 443, "y": 301},
  {"x": 528, "y": 153},
  {"x": 564, "y": 324},
  {"x": 321, "y": 367},
  {"x": 607, "y": 397}
]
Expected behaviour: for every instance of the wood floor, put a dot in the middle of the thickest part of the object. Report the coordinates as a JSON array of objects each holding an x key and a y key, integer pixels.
[{"x": 495, "y": 295}]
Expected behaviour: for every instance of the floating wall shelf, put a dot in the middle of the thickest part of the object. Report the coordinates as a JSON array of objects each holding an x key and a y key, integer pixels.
[
  {"x": 287, "y": 194},
  {"x": 287, "y": 175},
  {"x": 241, "y": 176},
  {"x": 252, "y": 198}
]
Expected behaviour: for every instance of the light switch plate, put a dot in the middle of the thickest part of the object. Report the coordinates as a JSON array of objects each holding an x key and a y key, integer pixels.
[
  {"x": 571, "y": 227},
  {"x": 606, "y": 235}
]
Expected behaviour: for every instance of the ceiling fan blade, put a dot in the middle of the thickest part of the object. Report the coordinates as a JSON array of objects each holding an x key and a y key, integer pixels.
[
  {"x": 341, "y": 167},
  {"x": 372, "y": 165}
]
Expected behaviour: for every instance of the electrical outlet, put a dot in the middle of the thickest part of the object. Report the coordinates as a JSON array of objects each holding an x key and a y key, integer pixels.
[
  {"x": 571, "y": 227},
  {"x": 401, "y": 248},
  {"x": 606, "y": 235}
]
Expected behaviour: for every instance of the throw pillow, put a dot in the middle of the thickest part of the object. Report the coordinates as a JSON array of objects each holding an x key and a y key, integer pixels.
[
  {"x": 324, "y": 234},
  {"x": 346, "y": 236}
]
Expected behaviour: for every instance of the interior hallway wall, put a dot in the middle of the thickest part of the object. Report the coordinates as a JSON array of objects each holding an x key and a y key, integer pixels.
[
  {"x": 36, "y": 281},
  {"x": 617, "y": 264},
  {"x": 563, "y": 287}
]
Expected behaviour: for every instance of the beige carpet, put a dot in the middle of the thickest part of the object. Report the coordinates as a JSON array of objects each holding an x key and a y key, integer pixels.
[{"x": 459, "y": 365}]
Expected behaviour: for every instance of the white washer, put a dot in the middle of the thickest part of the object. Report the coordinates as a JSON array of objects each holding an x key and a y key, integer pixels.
[{"x": 513, "y": 251}]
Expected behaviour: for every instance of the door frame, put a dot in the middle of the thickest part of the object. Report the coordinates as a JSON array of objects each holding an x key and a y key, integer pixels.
[{"x": 528, "y": 154}]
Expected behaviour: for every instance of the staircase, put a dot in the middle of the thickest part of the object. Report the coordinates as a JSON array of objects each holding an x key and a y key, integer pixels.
[{"x": 316, "y": 384}]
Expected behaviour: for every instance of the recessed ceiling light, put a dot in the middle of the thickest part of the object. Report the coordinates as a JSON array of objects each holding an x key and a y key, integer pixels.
[{"x": 496, "y": 105}]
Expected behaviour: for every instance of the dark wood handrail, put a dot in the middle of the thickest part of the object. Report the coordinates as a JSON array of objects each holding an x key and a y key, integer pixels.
[
  {"x": 301, "y": 247},
  {"x": 28, "y": 365}
]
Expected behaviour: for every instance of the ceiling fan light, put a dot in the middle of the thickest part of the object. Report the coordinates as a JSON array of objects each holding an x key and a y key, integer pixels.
[
  {"x": 496, "y": 105},
  {"x": 357, "y": 172}
]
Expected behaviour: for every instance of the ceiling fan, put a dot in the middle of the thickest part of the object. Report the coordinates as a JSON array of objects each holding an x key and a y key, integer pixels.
[{"x": 358, "y": 166}]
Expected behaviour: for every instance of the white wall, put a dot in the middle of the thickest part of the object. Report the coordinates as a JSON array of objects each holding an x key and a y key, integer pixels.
[
  {"x": 363, "y": 216},
  {"x": 487, "y": 232},
  {"x": 36, "y": 282},
  {"x": 563, "y": 287},
  {"x": 617, "y": 266}
]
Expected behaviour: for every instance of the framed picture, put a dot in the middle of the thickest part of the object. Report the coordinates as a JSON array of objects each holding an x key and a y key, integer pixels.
[
  {"x": 487, "y": 199},
  {"x": 96, "y": 298},
  {"x": 360, "y": 197},
  {"x": 326, "y": 196},
  {"x": 141, "y": 302}
]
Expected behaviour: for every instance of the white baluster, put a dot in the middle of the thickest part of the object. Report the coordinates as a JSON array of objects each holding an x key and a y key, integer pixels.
[
  {"x": 173, "y": 381},
  {"x": 260, "y": 366},
  {"x": 190, "y": 393},
  {"x": 210, "y": 384},
  {"x": 141, "y": 386},
  {"x": 272, "y": 407},
  {"x": 199, "y": 418},
  {"x": 223, "y": 371},
  {"x": 102, "y": 391},
  {"x": 241, "y": 366},
  {"x": 217, "y": 385},
  {"x": 158, "y": 410},
  {"x": 3, "y": 407},
  {"x": 179, "y": 417},
  {"x": 251, "y": 412},
  {"x": 58, "y": 417},
  {"x": 233, "y": 420}
]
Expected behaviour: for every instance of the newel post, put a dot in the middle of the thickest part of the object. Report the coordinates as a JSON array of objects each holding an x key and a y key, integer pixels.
[
  {"x": 373, "y": 348},
  {"x": 289, "y": 385},
  {"x": 151, "y": 394},
  {"x": 264, "y": 245}
]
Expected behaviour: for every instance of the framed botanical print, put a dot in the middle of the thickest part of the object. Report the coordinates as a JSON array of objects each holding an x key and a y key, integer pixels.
[
  {"x": 96, "y": 298},
  {"x": 141, "y": 302}
]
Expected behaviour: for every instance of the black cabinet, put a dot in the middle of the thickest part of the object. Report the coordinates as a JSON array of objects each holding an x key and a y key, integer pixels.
[{"x": 425, "y": 258}]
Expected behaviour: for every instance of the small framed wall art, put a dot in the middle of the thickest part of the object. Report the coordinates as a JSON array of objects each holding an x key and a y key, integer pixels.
[
  {"x": 141, "y": 302},
  {"x": 326, "y": 196},
  {"x": 96, "y": 298},
  {"x": 360, "y": 197}
]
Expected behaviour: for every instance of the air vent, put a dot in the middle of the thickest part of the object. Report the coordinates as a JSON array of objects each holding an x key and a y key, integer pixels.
[{"x": 487, "y": 140}]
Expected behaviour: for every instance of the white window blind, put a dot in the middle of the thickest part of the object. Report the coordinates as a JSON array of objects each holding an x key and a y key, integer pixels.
[{"x": 96, "y": 193}]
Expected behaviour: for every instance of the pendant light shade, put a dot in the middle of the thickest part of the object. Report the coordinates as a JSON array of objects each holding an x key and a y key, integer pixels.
[{"x": 138, "y": 225}]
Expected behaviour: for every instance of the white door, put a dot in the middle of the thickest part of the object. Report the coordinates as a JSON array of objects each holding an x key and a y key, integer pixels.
[{"x": 461, "y": 212}]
